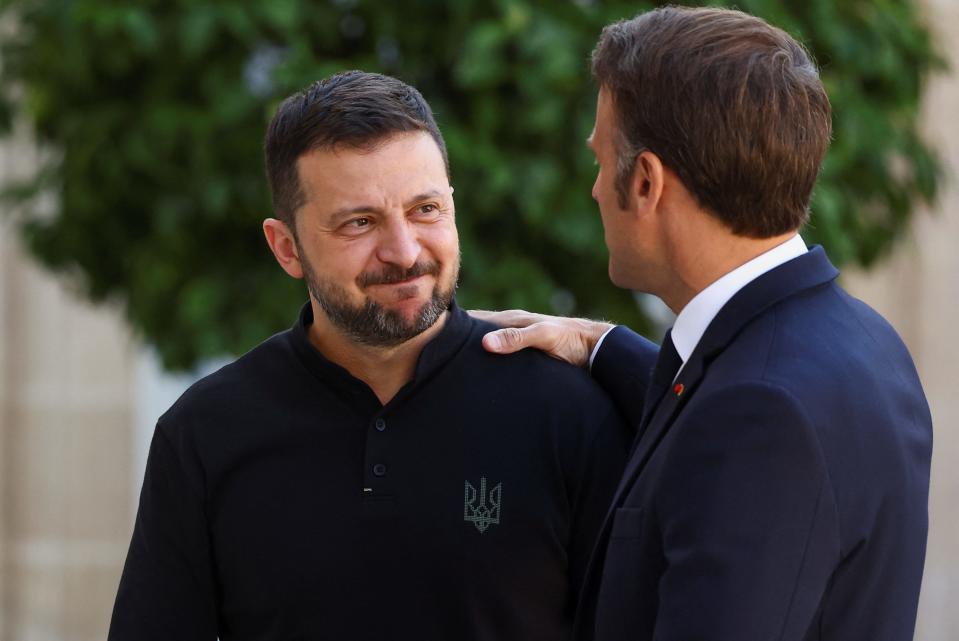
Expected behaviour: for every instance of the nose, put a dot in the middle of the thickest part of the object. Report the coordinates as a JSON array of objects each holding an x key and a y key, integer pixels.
[
  {"x": 595, "y": 188},
  {"x": 399, "y": 244}
]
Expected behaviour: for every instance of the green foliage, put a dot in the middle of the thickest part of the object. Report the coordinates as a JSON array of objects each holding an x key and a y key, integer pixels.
[{"x": 154, "y": 113}]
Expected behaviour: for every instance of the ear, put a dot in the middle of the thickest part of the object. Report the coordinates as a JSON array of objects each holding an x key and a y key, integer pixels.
[
  {"x": 648, "y": 180},
  {"x": 280, "y": 239}
]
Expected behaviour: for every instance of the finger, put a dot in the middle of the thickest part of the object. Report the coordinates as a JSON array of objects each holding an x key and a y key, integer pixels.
[
  {"x": 509, "y": 317},
  {"x": 483, "y": 314},
  {"x": 506, "y": 341}
]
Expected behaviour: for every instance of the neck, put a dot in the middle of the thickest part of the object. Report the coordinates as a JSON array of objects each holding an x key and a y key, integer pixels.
[
  {"x": 697, "y": 265},
  {"x": 384, "y": 369}
]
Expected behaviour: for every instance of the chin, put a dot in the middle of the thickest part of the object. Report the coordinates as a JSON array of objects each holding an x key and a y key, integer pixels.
[
  {"x": 618, "y": 278},
  {"x": 410, "y": 308}
]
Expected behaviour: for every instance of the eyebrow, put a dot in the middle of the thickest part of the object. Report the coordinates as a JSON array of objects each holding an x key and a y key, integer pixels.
[{"x": 346, "y": 212}]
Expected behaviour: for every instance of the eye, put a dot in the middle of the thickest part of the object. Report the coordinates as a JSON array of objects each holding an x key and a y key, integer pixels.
[
  {"x": 355, "y": 226},
  {"x": 359, "y": 223},
  {"x": 428, "y": 208}
]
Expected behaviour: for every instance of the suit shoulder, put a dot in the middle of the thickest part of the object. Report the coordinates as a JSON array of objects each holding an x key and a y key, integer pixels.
[
  {"x": 873, "y": 323},
  {"x": 833, "y": 330},
  {"x": 837, "y": 358}
]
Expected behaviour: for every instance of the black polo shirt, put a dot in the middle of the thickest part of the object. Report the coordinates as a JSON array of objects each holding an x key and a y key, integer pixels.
[{"x": 283, "y": 501}]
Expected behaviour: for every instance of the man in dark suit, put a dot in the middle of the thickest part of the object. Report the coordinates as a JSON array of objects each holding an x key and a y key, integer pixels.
[{"x": 778, "y": 484}]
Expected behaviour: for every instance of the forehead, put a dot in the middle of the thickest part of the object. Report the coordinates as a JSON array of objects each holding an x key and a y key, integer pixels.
[
  {"x": 604, "y": 113},
  {"x": 394, "y": 168}
]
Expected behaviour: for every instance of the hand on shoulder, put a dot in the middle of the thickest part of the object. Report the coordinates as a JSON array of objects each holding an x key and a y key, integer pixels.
[{"x": 566, "y": 339}]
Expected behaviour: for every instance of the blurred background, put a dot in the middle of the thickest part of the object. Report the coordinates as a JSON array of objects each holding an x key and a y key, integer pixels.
[{"x": 131, "y": 192}]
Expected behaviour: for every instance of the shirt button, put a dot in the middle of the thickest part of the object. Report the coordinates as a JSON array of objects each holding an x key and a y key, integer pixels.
[
  {"x": 380, "y": 425},
  {"x": 379, "y": 470}
]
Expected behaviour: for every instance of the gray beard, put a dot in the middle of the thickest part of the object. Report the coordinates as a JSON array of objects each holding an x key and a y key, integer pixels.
[{"x": 370, "y": 323}]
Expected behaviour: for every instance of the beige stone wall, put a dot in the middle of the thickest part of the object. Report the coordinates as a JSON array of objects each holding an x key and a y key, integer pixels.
[{"x": 65, "y": 440}]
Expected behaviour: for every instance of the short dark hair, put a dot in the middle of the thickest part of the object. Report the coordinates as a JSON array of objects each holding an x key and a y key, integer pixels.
[
  {"x": 351, "y": 108},
  {"x": 731, "y": 104}
]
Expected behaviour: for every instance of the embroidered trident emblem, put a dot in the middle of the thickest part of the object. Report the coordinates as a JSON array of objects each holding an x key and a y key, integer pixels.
[{"x": 482, "y": 509}]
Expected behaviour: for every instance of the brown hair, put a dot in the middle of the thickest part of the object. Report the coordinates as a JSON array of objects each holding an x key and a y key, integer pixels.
[
  {"x": 351, "y": 108},
  {"x": 731, "y": 104}
]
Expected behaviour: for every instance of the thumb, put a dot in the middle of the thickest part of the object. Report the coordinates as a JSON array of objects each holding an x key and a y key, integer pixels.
[{"x": 505, "y": 341}]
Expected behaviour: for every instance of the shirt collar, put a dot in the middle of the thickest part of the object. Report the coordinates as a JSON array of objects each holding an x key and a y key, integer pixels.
[
  {"x": 695, "y": 317},
  {"x": 434, "y": 356}
]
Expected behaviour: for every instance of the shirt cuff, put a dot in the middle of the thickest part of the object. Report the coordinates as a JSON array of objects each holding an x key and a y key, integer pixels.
[{"x": 596, "y": 347}]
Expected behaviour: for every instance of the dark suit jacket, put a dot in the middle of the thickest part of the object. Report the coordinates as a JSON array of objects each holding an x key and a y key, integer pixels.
[{"x": 783, "y": 493}]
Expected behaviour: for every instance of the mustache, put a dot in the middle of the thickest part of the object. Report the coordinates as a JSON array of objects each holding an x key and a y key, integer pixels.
[{"x": 393, "y": 274}]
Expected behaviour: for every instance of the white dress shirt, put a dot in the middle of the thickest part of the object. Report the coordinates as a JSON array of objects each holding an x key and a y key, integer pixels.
[{"x": 695, "y": 317}]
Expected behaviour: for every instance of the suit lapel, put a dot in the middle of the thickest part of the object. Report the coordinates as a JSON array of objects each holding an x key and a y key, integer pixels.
[
  {"x": 657, "y": 423},
  {"x": 812, "y": 269}
]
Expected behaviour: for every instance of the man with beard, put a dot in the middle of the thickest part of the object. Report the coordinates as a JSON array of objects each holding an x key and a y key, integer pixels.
[{"x": 372, "y": 472}]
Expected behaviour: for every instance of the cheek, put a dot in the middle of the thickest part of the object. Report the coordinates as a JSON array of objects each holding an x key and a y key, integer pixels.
[
  {"x": 344, "y": 261},
  {"x": 442, "y": 242},
  {"x": 608, "y": 218}
]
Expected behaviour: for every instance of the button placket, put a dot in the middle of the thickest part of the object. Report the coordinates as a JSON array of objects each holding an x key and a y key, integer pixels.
[{"x": 377, "y": 456}]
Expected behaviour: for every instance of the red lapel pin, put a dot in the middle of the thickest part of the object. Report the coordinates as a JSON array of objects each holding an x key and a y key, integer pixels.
[{"x": 678, "y": 389}]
